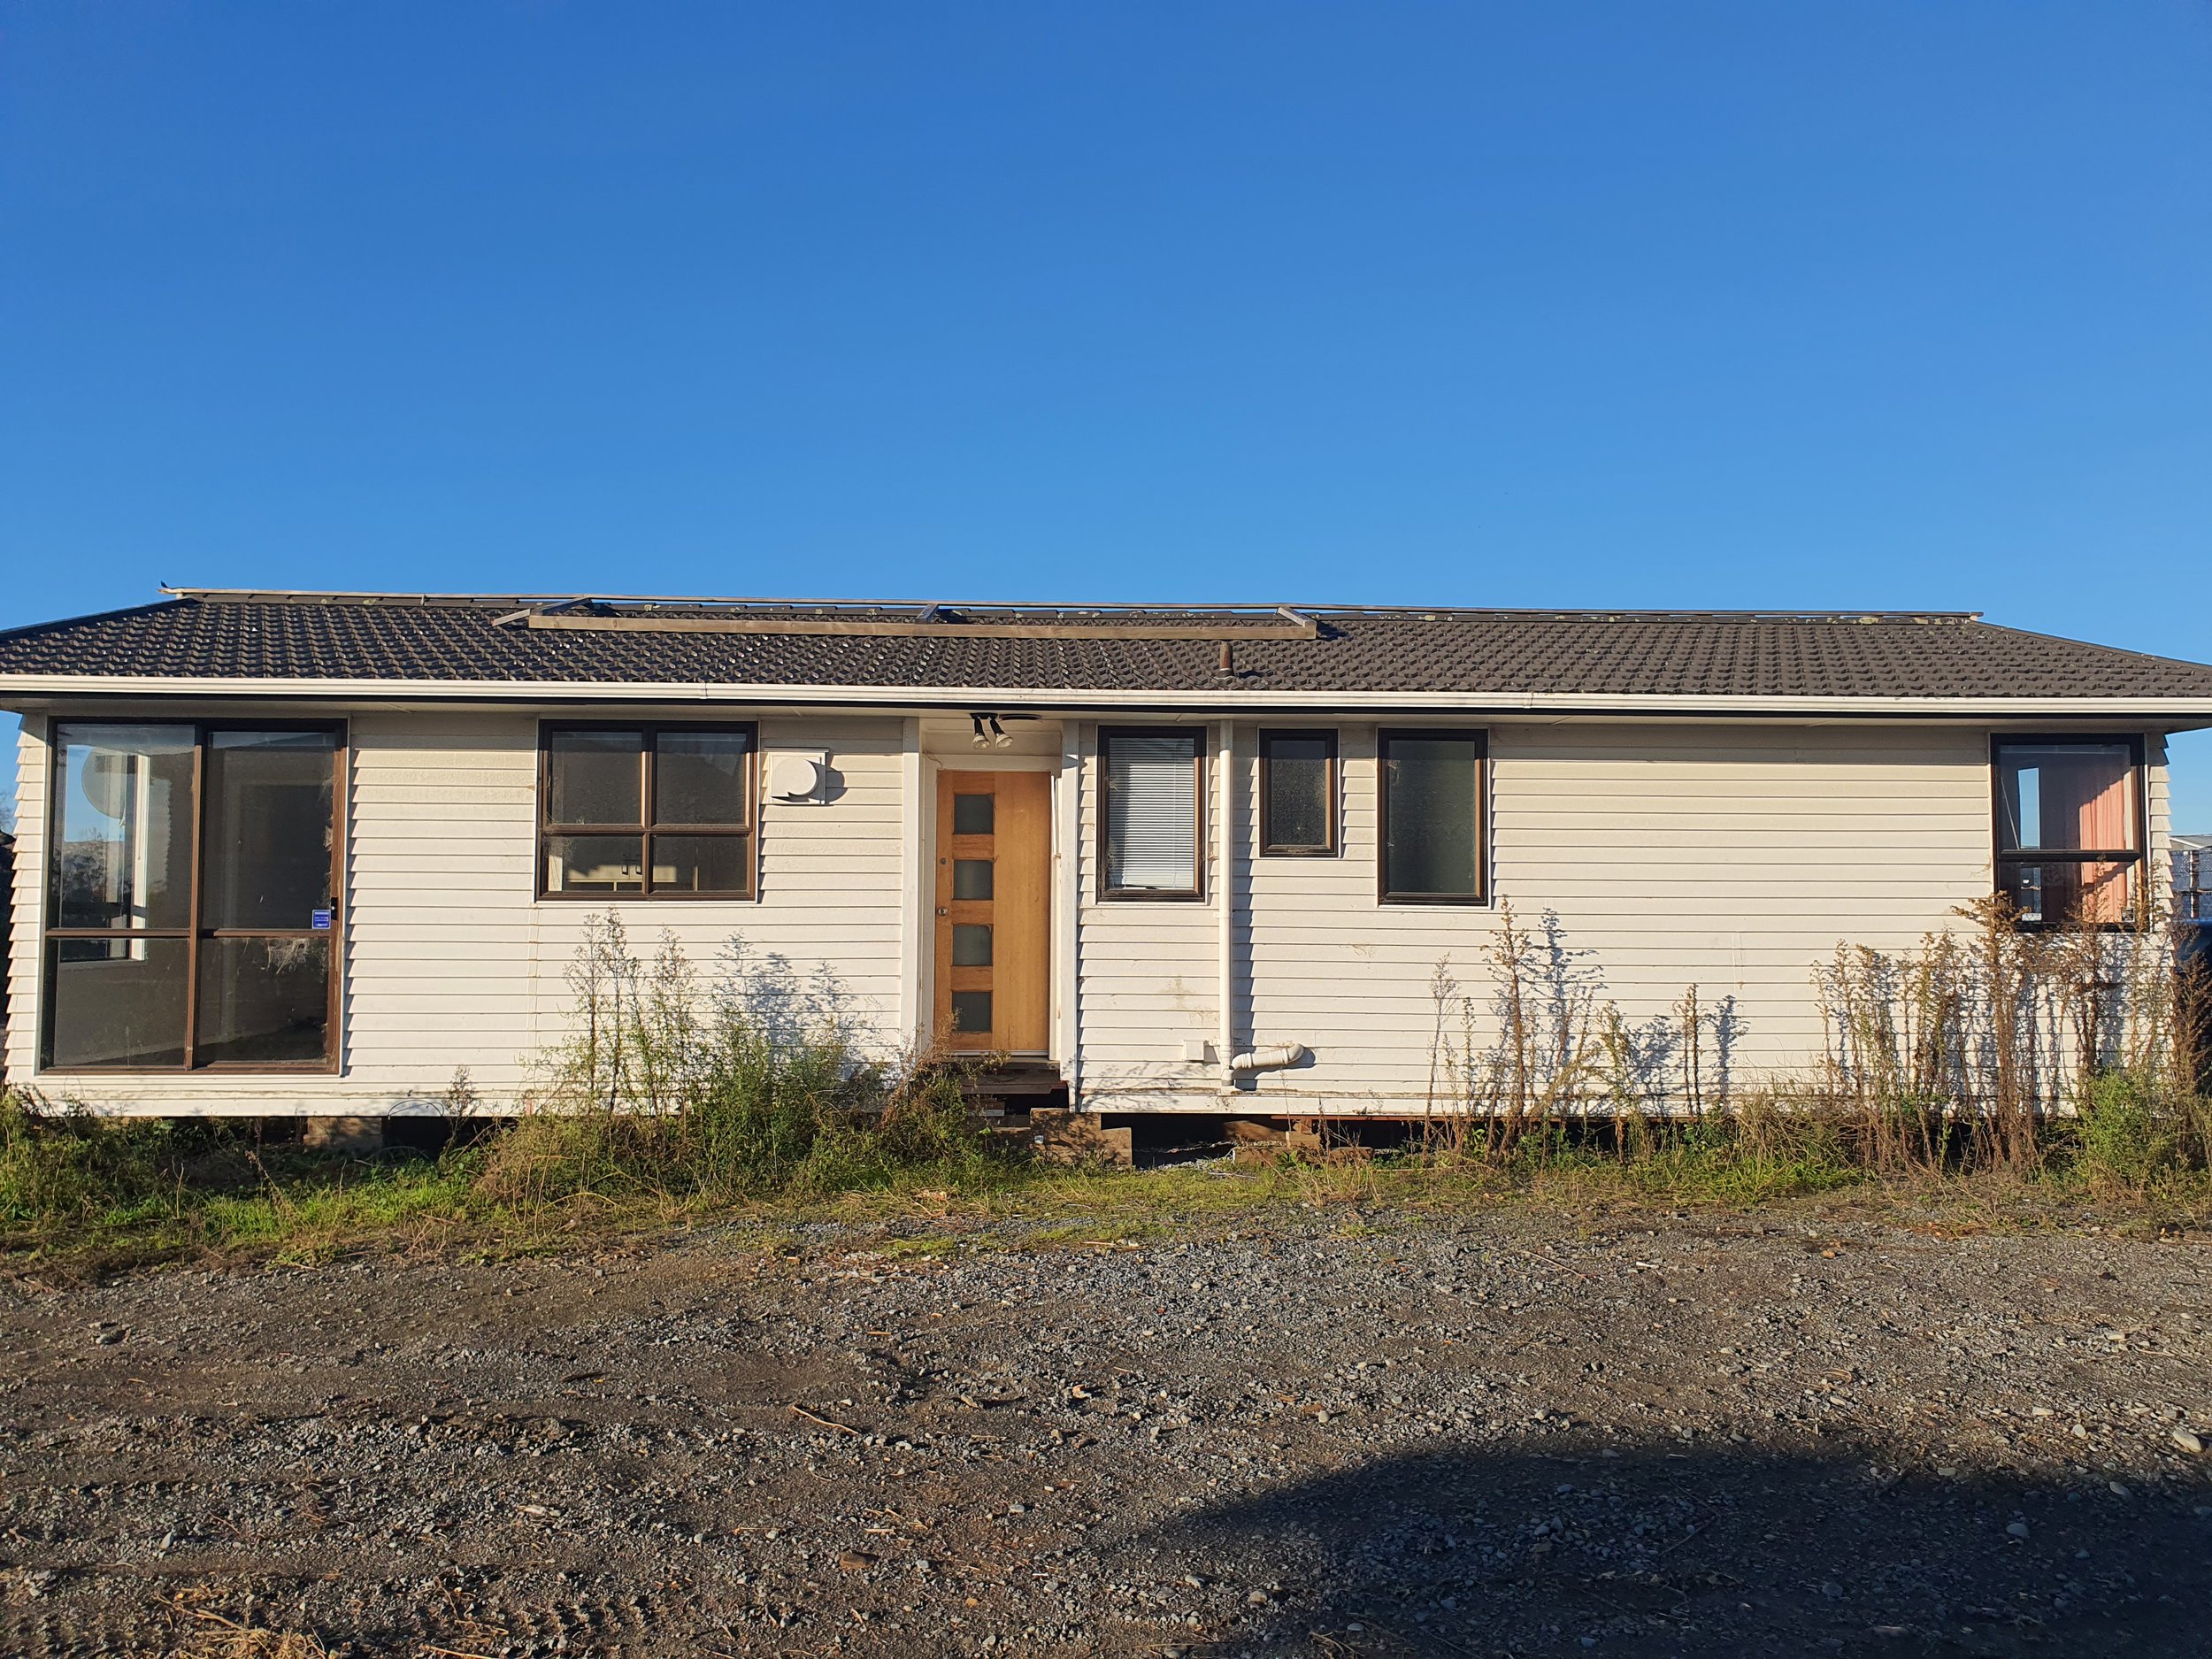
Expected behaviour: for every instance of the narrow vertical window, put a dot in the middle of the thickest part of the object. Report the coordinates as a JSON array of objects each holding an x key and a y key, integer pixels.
[
  {"x": 2069, "y": 832},
  {"x": 646, "y": 811},
  {"x": 1433, "y": 836},
  {"x": 1149, "y": 826},
  {"x": 1298, "y": 810}
]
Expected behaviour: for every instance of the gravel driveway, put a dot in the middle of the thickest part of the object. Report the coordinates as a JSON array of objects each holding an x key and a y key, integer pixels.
[{"x": 1518, "y": 1432}]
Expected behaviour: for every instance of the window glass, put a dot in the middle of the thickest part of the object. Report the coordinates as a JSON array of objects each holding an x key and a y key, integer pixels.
[
  {"x": 1433, "y": 805},
  {"x": 2067, "y": 889},
  {"x": 119, "y": 1002},
  {"x": 972, "y": 1010},
  {"x": 698, "y": 777},
  {"x": 972, "y": 814},
  {"x": 122, "y": 853},
  {"x": 1298, "y": 815},
  {"x": 971, "y": 945},
  {"x": 264, "y": 1001},
  {"x": 268, "y": 829},
  {"x": 971, "y": 877},
  {"x": 702, "y": 863},
  {"x": 594, "y": 863},
  {"x": 2055, "y": 797},
  {"x": 1152, "y": 812},
  {"x": 595, "y": 777}
]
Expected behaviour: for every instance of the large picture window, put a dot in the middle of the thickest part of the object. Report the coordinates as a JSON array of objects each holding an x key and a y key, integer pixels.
[
  {"x": 1433, "y": 836},
  {"x": 646, "y": 812},
  {"x": 192, "y": 877},
  {"x": 1150, "y": 826},
  {"x": 2069, "y": 828}
]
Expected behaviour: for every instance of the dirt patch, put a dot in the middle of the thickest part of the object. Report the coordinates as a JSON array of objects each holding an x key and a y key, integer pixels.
[{"x": 1511, "y": 1435}]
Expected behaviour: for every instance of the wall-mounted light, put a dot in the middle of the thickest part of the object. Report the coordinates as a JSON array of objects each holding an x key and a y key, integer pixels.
[{"x": 989, "y": 733}]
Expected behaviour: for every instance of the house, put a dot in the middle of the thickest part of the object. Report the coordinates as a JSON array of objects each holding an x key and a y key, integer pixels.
[
  {"x": 290, "y": 852},
  {"x": 2192, "y": 878}
]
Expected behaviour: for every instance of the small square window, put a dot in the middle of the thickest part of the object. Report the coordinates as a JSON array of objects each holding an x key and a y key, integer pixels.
[
  {"x": 971, "y": 877},
  {"x": 972, "y": 814},
  {"x": 971, "y": 1012},
  {"x": 971, "y": 945}
]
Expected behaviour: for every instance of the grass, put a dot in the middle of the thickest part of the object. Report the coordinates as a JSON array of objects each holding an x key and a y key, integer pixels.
[{"x": 170, "y": 1195}]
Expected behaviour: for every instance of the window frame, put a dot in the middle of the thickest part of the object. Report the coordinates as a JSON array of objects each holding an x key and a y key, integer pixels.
[
  {"x": 194, "y": 934},
  {"x": 1480, "y": 899},
  {"x": 646, "y": 829},
  {"x": 1196, "y": 892},
  {"x": 2138, "y": 826},
  {"x": 1331, "y": 794}
]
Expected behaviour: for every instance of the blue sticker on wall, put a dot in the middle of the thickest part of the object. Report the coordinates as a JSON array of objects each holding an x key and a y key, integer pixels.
[{"x": 319, "y": 920}]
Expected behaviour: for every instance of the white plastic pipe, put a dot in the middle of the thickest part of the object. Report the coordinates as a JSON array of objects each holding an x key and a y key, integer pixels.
[{"x": 1272, "y": 1058}]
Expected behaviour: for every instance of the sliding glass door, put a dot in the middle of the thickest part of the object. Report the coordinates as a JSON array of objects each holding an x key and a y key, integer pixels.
[{"x": 192, "y": 896}]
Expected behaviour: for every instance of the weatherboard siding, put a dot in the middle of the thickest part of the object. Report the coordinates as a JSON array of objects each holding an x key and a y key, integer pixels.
[
  {"x": 1732, "y": 857},
  {"x": 1727, "y": 858},
  {"x": 451, "y": 962},
  {"x": 18, "y": 1043}
]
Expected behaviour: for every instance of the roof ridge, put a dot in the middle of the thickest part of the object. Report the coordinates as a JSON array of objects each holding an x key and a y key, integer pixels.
[{"x": 996, "y": 607}]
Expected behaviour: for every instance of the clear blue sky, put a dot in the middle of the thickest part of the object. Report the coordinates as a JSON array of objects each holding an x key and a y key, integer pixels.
[{"x": 1865, "y": 304}]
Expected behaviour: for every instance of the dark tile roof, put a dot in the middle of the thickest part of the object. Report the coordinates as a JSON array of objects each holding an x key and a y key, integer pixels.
[{"x": 311, "y": 637}]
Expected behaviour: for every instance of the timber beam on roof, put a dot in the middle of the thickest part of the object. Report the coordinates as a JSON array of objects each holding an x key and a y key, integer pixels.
[{"x": 1291, "y": 625}]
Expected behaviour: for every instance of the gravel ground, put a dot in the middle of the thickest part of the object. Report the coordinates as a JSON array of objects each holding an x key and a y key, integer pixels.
[{"x": 1515, "y": 1433}]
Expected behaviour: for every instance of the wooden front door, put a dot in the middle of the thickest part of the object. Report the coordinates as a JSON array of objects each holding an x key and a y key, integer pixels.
[{"x": 994, "y": 910}]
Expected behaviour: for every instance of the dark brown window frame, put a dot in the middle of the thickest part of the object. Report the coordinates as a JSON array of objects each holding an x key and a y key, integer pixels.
[
  {"x": 1332, "y": 808},
  {"x": 2138, "y": 807},
  {"x": 342, "y": 768},
  {"x": 1196, "y": 892},
  {"x": 647, "y": 731},
  {"x": 1480, "y": 737}
]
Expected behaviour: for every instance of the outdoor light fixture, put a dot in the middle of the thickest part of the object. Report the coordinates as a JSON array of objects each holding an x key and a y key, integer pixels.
[{"x": 988, "y": 732}]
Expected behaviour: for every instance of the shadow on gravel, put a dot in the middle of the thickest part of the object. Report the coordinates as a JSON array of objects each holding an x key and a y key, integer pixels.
[{"x": 1706, "y": 1551}]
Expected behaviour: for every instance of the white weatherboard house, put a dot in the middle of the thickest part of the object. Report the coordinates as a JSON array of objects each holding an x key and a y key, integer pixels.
[{"x": 310, "y": 853}]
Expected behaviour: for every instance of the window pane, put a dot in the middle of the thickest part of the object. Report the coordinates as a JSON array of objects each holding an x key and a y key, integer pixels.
[
  {"x": 594, "y": 863},
  {"x": 1152, "y": 813},
  {"x": 2061, "y": 796},
  {"x": 972, "y": 814},
  {"x": 698, "y": 777},
  {"x": 595, "y": 777},
  {"x": 971, "y": 1012},
  {"x": 123, "y": 854},
  {"x": 702, "y": 863},
  {"x": 1297, "y": 791},
  {"x": 115, "y": 1001},
  {"x": 1434, "y": 805},
  {"x": 971, "y": 945},
  {"x": 264, "y": 1001},
  {"x": 971, "y": 877},
  {"x": 268, "y": 828},
  {"x": 2065, "y": 890}
]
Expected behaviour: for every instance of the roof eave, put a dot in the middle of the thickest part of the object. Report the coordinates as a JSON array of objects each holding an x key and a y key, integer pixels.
[{"x": 17, "y": 689}]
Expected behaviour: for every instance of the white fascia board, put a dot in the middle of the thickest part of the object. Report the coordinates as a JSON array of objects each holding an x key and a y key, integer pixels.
[{"x": 1198, "y": 704}]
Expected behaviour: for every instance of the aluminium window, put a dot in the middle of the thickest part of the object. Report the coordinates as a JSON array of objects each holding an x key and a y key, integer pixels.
[
  {"x": 646, "y": 811},
  {"x": 1298, "y": 795},
  {"x": 1434, "y": 828},
  {"x": 1151, "y": 825},
  {"x": 193, "y": 872},
  {"x": 2069, "y": 821}
]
